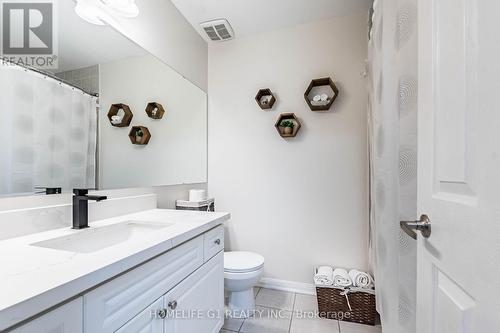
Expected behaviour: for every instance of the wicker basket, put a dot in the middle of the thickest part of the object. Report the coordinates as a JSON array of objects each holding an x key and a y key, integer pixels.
[{"x": 333, "y": 304}]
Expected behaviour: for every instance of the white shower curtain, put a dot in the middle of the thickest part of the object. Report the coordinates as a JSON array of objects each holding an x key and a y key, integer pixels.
[
  {"x": 393, "y": 159},
  {"x": 47, "y": 132}
]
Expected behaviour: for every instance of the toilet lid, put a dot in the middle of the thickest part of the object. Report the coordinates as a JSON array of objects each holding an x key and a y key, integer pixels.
[{"x": 241, "y": 262}]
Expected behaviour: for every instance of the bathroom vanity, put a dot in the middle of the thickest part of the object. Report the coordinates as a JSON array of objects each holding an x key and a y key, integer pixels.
[{"x": 157, "y": 270}]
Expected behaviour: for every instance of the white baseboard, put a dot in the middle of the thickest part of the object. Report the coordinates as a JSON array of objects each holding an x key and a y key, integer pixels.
[{"x": 291, "y": 286}]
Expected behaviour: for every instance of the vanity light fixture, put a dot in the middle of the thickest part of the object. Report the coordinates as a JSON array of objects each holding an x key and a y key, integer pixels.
[
  {"x": 125, "y": 8},
  {"x": 99, "y": 11},
  {"x": 88, "y": 11}
]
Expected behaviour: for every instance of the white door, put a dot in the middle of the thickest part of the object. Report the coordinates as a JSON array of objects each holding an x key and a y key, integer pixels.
[
  {"x": 148, "y": 321},
  {"x": 197, "y": 304},
  {"x": 459, "y": 166}
]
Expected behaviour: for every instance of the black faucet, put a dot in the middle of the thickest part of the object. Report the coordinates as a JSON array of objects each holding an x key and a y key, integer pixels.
[
  {"x": 81, "y": 207},
  {"x": 48, "y": 190}
]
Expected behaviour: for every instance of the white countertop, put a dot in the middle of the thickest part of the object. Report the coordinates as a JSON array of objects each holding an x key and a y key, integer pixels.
[{"x": 34, "y": 278}]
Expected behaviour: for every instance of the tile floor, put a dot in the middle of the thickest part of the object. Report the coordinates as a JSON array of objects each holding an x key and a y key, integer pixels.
[{"x": 289, "y": 321}]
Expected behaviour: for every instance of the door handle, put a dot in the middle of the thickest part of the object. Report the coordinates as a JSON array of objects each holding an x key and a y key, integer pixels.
[
  {"x": 162, "y": 313},
  {"x": 172, "y": 305},
  {"x": 423, "y": 225}
]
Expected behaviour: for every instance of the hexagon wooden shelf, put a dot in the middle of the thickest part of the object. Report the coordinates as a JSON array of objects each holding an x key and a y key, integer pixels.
[
  {"x": 323, "y": 87},
  {"x": 126, "y": 115},
  {"x": 155, "y": 110},
  {"x": 265, "y": 98},
  {"x": 282, "y": 130},
  {"x": 139, "y": 140}
]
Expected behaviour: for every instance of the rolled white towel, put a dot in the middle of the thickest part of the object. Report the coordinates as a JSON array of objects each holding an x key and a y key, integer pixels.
[
  {"x": 341, "y": 278},
  {"x": 324, "y": 276},
  {"x": 361, "y": 279}
]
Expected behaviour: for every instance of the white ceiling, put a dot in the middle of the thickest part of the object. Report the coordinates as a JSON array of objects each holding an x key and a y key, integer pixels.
[
  {"x": 254, "y": 16},
  {"x": 82, "y": 44}
]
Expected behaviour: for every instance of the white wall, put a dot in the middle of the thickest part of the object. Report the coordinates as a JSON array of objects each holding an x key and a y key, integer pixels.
[
  {"x": 163, "y": 31},
  {"x": 299, "y": 202},
  {"x": 177, "y": 151}
]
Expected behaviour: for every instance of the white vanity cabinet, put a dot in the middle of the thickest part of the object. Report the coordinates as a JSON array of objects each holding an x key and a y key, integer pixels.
[
  {"x": 67, "y": 318},
  {"x": 183, "y": 280},
  {"x": 180, "y": 291},
  {"x": 110, "y": 306},
  {"x": 194, "y": 305}
]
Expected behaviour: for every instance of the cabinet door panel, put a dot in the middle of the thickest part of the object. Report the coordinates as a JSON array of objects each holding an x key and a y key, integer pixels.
[
  {"x": 147, "y": 321},
  {"x": 111, "y": 305},
  {"x": 67, "y": 318},
  {"x": 202, "y": 293}
]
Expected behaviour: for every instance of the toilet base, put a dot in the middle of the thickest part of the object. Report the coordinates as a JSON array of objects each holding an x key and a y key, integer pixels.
[{"x": 242, "y": 302}]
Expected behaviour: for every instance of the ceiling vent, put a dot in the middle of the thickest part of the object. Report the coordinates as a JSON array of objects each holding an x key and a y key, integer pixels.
[{"x": 218, "y": 30}]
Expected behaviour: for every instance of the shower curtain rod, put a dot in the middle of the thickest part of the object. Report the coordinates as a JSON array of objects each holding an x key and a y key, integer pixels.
[{"x": 47, "y": 74}]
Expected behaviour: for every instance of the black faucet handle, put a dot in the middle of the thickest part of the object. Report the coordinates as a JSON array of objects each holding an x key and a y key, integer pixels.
[
  {"x": 97, "y": 197},
  {"x": 80, "y": 191},
  {"x": 48, "y": 190}
]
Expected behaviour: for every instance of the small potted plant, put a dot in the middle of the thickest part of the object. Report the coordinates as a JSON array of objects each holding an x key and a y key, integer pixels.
[
  {"x": 138, "y": 135},
  {"x": 287, "y": 126}
]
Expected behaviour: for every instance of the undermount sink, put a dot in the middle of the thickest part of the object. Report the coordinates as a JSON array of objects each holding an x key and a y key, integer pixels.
[{"x": 95, "y": 239}]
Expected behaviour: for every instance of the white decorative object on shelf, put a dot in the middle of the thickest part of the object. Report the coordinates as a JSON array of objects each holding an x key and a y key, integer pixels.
[
  {"x": 116, "y": 119},
  {"x": 320, "y": 103}
]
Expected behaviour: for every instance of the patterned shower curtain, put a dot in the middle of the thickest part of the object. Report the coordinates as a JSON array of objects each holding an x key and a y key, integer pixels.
[
  {"x": 48, "y": 133},
  {"x": 393, "y": 159}
]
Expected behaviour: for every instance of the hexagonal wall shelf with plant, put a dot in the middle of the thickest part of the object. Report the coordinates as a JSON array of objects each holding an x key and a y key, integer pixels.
[
  {"x": 155, "y": 110},
  {"x": 119, "y": 115},
  {"x": 321, "y": 94},
  {"x": 265, "y": 98},
  {"x": 139, "y": 135},
  {"x": 287, "y": 125}
]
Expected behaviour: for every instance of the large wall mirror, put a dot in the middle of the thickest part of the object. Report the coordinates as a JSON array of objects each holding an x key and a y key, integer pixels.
[{"x": 55, "y": 130}]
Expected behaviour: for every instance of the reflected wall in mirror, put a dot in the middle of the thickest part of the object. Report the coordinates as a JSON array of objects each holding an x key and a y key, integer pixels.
[
  {"x": 176, "y": 152},
  {"x": 54, "y": 127}
]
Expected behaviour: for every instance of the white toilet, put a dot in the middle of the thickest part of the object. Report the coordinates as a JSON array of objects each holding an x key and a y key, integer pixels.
[{"x": 242, "y": 271}]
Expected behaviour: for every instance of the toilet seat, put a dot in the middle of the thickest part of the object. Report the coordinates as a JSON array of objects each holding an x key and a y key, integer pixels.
[{"x": 242, "y": 262}]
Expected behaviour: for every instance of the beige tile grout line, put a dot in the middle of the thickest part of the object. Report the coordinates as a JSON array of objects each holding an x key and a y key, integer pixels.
[
  {"x": 269, "y": 307},
  {"x": 292, "y": 312}
]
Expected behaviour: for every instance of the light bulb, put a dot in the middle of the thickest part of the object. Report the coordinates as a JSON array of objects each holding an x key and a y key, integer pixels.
[
  {"x": 126, "y": 8},
  {"x": 88, "y": 12},
  {"x": 100, "y": 11}
]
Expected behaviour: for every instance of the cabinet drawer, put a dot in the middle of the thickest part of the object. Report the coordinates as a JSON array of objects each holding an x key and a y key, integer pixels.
[
  {"x": 213, "y": 242},
  {"x": 111, "y": 305}
]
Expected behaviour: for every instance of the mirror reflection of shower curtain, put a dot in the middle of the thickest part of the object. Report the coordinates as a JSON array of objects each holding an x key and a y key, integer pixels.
[
  {"x": 48, "y": 133},
  {"x": 393, "y": 159}
]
